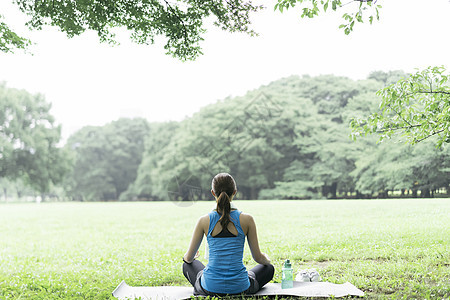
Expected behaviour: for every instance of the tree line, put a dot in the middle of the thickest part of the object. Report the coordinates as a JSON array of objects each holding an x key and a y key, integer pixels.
[{"x": 289, "y": 139}]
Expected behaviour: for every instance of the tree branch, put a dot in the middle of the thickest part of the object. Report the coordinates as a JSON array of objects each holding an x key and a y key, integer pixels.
[
  {"x": 428, "y": 92},
  {"x": 404, "y": 120},
  {"x": 181, "y": 21},
  {"x": 430, "y": 135},
  {"x": 430, "y": 82},
  {"x": 398, "y": 128}
]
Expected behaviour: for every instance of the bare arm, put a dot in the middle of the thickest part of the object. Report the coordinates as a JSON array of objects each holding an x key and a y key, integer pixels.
[
  {"x": 196, "y": 239},
  {"x": 252, "y": 239}
]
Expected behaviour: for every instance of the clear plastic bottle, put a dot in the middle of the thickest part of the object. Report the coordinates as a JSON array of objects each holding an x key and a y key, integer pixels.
[{"x": 287, "y": 280}]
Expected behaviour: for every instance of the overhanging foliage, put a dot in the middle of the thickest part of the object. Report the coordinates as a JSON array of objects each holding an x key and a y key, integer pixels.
[{"x": 417, "y": 108}]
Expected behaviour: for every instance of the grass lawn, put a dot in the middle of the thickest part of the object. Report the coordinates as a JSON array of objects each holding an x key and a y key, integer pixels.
[{"x": 387, "y": 248}]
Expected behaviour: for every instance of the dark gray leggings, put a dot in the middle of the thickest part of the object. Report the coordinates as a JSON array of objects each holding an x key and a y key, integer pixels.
[{"x": 258, "y": 276}]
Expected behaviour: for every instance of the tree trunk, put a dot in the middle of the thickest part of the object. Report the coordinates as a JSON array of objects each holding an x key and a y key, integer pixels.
[
  {"x": 425, "y": 193},
  {"x": 324, "y": 190},
  {"x": 245, "y": 193},
  {"x": 358, "y": 195},
  {"x": 383, "y": 194},
  {"x": 333, "y": 189}
]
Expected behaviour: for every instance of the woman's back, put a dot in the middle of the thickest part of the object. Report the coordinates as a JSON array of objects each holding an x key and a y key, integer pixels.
[{"x": 225, "y": 272}]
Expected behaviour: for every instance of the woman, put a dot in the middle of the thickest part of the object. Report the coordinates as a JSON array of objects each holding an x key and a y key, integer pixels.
[{"x": 225, "y": 229}]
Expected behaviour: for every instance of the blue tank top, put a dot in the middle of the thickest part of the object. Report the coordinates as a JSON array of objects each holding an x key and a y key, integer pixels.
[{"x": 225, "y": 272}]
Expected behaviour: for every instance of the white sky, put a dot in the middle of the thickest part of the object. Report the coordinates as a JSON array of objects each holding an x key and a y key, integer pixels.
[{"x": 89, "y": 83}]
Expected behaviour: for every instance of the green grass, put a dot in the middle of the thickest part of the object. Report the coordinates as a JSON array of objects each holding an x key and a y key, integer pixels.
[{"x": 387, "y": 248}]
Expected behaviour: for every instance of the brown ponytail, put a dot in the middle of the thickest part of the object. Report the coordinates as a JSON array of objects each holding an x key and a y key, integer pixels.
[
  {"x": 224, "y": 207},
  {"x": 223, "y": 185}
]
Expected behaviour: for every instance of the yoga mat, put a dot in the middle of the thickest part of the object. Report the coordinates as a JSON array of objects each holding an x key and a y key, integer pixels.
[{"x": 302, "y": 289}]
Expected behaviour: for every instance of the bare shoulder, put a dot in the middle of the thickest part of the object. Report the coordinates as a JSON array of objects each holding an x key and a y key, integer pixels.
[
  {"x": 246, "y": 221},
  {"x": 204, "y": 220},
  {"x": 246, "y": 217}
]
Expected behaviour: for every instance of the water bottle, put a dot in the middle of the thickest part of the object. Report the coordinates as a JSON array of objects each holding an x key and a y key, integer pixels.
[{"x": 287, "y": 280}]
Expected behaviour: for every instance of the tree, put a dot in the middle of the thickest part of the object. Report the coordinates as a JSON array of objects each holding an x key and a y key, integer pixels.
[
  {"x": 181, "y": 22},
  {"x": 106, "y": 159},
  {"x": 9, "y": 40},
  {"x": 145, "y": 186},
  {"x": 417, "y": 108},
  {"x": 430, "y": 168},
  {"x": 402, "y": 168},
  {"x": 28, "y": 140},
  {"x": 279, "y": 142},
  {"x": 387, "y": 78},
  {"x": 244, "y": 136},
  {"x": 15, "y": 189},
  {"x": 297, "y": 180},
  {"x": 312, "y": 8}
]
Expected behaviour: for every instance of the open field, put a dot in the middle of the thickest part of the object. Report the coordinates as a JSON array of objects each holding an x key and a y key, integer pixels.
[{"x": 388, "y": 248}]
